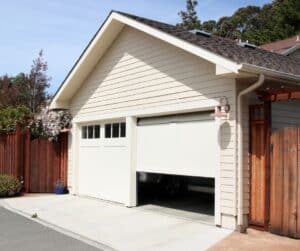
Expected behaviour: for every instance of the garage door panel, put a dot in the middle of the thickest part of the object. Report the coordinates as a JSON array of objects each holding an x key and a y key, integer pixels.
[
  {"x": 155, "y": 159},
  {"x": 184, "y": 146},
  {"x": 102, "y": 172},
  {"x": 88, "y": 166}
]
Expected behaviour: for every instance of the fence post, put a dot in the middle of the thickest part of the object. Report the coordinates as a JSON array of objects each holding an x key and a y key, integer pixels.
[
  {"x": 27, "y": 164},
  {"x": 63, "y": 138}
]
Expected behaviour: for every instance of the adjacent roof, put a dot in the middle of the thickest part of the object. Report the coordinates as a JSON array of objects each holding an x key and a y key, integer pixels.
[
  {"x": 282, "y": 46},
  {"x": 228, "y": 48}
]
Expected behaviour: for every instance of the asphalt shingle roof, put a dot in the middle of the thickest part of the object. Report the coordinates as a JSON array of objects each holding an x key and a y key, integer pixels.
[{"x": 228, "y": 48}]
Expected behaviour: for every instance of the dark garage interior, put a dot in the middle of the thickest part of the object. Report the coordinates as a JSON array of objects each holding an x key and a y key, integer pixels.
[{"x": 185, "y": 196}]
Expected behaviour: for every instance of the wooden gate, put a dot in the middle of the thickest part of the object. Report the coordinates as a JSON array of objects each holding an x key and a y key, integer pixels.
[
  {"x": 285, "y": 183},
  {"x": 259, "y": 162},
  {"x": 48, "y": 161}
]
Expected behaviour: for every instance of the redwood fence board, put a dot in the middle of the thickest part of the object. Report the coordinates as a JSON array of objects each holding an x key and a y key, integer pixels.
[
  {"x": 40, "y": 163},
  {"x": 285, "y": 188}
]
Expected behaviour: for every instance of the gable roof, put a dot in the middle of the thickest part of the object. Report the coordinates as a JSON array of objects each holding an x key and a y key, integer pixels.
[
  {"x": 228, "y": 48},
  {"x": 282, "y": 46},
  {"x": 220, "y": 51}
]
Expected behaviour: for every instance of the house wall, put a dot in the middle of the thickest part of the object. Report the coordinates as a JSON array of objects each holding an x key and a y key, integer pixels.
[{"x": 140, "y": 73}]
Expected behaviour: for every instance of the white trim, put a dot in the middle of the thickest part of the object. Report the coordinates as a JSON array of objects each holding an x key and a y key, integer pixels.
[
  {"x": 268, "y": 72},
  {"x": 75, "y": 157},
  {"x": 218, "y": 220},
  {"x": 188, "y": 107},
  {"x": 132, "y": 150}
]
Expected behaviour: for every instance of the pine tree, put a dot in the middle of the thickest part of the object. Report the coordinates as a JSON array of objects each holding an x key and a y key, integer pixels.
[{"x": 189, "y": 16}]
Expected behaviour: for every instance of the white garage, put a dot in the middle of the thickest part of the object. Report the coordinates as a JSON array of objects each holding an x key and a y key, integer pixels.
[
  {"x": 183, "y": 144},
  {"x": 102, "y": 154}
]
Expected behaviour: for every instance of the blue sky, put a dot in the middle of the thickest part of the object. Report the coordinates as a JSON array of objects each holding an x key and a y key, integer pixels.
[{"x": 62, "y": 28}]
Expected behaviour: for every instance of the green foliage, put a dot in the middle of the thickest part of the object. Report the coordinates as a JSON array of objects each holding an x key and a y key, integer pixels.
[
  {"x": 36, "y": 129},
  {"x": 26, "y": 89},
  {"x": 32, "y": 86},
  {"x": 11, "y": 117},
  {"x": 9, "y": 186},
  {"x": 259, "y": 25},
  {"x": 209, "y": 26},
  {"x": 8, "y": 92},
  {"x": 189, "y": 16}
]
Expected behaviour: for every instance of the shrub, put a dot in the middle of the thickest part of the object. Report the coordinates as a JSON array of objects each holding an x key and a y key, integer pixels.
[
  {"x": 11, "y": 117},
  {"x": 50, "y": 123},
  {"x": 9, "y": 186}
]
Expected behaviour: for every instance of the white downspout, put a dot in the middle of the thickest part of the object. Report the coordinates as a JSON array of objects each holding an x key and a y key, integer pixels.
[{"x": 251, "y": 88}]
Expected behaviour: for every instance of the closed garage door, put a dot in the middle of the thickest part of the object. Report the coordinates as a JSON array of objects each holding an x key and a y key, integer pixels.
[
  {"x": 102, "y": 155},
  {"x": 179, "y": 144}
]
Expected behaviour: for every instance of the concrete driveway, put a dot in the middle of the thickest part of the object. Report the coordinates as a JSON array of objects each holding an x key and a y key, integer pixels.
[
  {"x": 119, "y": 227},
  {"x": 18, "y": 233}
]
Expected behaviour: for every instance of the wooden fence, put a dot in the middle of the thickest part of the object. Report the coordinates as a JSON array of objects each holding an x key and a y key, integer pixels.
[{"x": 40, "y": 163}]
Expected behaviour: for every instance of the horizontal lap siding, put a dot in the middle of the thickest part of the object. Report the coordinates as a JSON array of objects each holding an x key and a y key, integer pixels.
[{"x": 140, "y": 72}]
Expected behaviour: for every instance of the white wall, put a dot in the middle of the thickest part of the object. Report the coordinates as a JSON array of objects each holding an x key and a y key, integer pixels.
[{"x": 139, "y": 74}]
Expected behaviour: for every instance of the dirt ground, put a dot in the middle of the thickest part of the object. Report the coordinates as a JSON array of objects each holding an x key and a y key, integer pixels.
[{"x": 256, "y": 240}]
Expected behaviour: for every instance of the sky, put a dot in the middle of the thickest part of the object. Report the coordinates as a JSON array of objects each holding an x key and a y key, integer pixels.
[{"x": 62, "y": 28}]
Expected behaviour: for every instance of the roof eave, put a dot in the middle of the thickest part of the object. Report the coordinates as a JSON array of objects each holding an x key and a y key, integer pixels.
[{"x": 268, "y": 72}]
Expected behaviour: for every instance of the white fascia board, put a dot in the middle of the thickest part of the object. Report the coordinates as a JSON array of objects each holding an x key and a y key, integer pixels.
[
  {"x": 222, "y": 71},
  {"x": 268, "y": 72}
]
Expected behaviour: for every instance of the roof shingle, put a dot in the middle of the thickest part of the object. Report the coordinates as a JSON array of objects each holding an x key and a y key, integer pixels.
[{"x": 228, "y": 48}]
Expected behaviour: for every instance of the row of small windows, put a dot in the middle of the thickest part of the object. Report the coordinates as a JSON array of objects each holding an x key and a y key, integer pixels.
[{"x": 114, "y": 130}]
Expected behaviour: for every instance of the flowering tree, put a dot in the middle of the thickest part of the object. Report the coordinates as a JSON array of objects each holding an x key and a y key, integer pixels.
[{"x": 50, "y": 123}]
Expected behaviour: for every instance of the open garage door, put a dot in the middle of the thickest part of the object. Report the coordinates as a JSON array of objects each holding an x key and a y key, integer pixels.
[{"x": 183, "y": 144}]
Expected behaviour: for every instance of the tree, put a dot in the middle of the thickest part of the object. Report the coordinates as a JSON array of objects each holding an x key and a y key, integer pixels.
[
  {"x": 243, "y": 20},
  {"x": 32, "y": 87},
  {"x": 8, "y": 92},
  {"x": 189, "y": 16},
  {"x": 209, "y": 26},
  {"x": 274, "y": 21},
  {"x": 13, "y": 117}
]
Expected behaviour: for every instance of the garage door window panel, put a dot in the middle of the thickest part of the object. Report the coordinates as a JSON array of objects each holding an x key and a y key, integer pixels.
[
  {"x": 108, "y": 131},
  {"x": 116, "y": 130},
  {"x": 90, "y": 132},
  {"x": 84, "y": 132},
  {"x": 123, "y": 130},
  {"x": 97, "y": 131}
]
